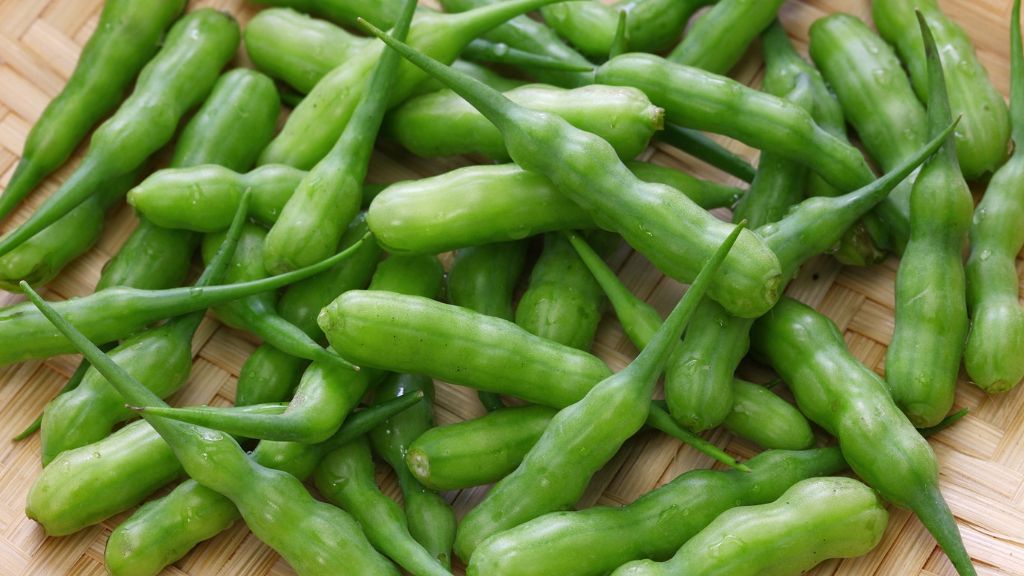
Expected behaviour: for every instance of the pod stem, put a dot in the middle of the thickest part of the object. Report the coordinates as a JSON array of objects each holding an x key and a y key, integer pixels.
[
  {"x": 939, "y": 113},
  {"x": 659, "y": 418},
  {"x": 934, "y": 513}
]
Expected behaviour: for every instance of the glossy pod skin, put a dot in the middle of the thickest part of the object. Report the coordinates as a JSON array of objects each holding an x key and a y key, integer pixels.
[
  {"x": 485, "y": 204},
  {"x": 651, "y": 25},
  {"x": 346, "y": 478},
  {"x": 378, "y": 12},
  {"x": 290, "y": 46},
  {"x": 719, "y": 38},
  {"x": 886, "y": 114},
  {"x": 310, "y": 535},
  {"x": 997, "y": 320},
  {"x": 816, "y": 519},
  {"x": 839, "y": 394},
  {"x": 753, "y": 412},
  {"x": 329, "y": 196},
  {"x": 202, "y": 198},
  {"x": 529, "y": 35},
  {"x": 698, "y": 99},
  {"x": 257, "y": 314},
  {"x": 163, "y": 530},
  {"x": 923, "y": 359},
  {"x": 229, "y": 129},
  {"x": 40, "y": 258},
  {"x": 177, "y": 79},
  {"x": 478, "y": 451},
  {"x": 431, "y": 520},
  {"x": 622, "y": 116},
  {"x": 127, "y": 35},
  {"x": 116, "y": 313},
  {"x": 586, "y": 169},
  {"x": 584, "y": 436},
  {"x": 599, "y": 539},
  {"x": 983, "y": 134},
  {"x": 317, "y": 122},
  {"x": 562, "y": 302}
]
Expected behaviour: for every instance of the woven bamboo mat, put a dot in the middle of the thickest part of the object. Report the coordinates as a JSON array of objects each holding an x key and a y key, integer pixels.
[{"x": 982, "y": 457}]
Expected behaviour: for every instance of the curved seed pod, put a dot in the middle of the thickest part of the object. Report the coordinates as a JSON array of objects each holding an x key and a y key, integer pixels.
[
  {"x": 835, "y": 391},
  {"x": 257, "y": 314},
  {"x": 346, "y": 478},
  {"x": 116, "y": 313},
  {"x": 229, "y": 129},
  {"x": 588, "y": 172},
  {"x": 562, "y": 302},
  {"x": 622, "y": 116},
  {"x": 311, "y": 536},
  {"x": 982, "y": 137},
  {"x": 878, "y": 101},
  {"x": 597, "y": 540},
  {"x": 172, "y": 83},
  {"x": 328, "y": 198},
  {"x": 767, "y": 420},
  {"x": 161, "y": 357},
  {"x": 697, "y": 99},
  {"x": 997, "y": 320},
  {"x": 719, "y": 38},
  {"x": 651, "y": 25},
  {"x": 318, "y": 121},
  {"x": 164, "y": 530},
  {"x": 40, "y": 258},
  {"x": 529, "y": 35},
  {"x": 584, "y": 436},
  {"x": 127, "y": 36},
  {"x": 923, "y": 359},
  {"x": 484, "y": 204},
  {"x": 202, "y": 198},
  {"x": 430, "y": 518},
  {"x": 291, "y": 46},
  {"x": 816, "y": 519}
]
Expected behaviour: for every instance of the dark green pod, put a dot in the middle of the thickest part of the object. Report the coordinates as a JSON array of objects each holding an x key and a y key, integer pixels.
[
  {"x": 382, "y": 13},
  {"x": 719, "y": 38},
  {"x": 484, "y": 278},
  {"x": 982, "y": 136},
  {"x": 174, "y": 81},
  {"x": 443, "y": 124},
  {"x": 816, "y": 519},
  {"x": 127, "y": 36},
  {"x": 597, "y": 540},
  {"x": 698, "y": 99}
]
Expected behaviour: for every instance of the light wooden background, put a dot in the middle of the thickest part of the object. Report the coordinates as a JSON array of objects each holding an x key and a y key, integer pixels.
[{"x": 982, "y": 458}]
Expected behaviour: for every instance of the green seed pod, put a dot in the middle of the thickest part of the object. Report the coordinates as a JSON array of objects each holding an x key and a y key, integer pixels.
[
  {"x": 126, "y": 37},
  {"x": 816, "y": 519},
  {"x": 767, "y": 420},
  {"x": 623, "y": 117},
  {"x": 983, "y": 134},
  {"x": 836, "y": 391},
  {"x": 651, "y": 26},
  {"x": 177, "y": 79},
  {"x": 719, "y": 38},
  {"x": 597, "y": 540},
  {"x": 291, "y": 46},
  {"x": 698, "y": 99},
  {"x": 317, "y": 122}
]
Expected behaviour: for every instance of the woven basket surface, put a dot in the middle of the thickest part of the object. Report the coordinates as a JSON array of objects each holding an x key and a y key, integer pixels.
[{"x": 981, "y": 458}]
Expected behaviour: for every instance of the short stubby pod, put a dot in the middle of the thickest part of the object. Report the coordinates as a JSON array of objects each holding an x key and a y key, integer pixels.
[{"x": 813, "y": 521}]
